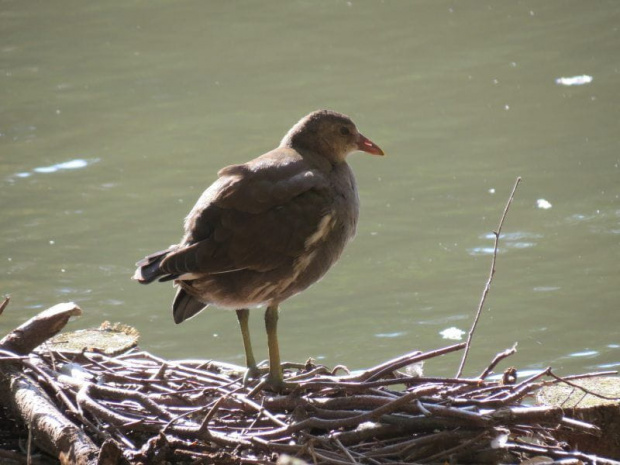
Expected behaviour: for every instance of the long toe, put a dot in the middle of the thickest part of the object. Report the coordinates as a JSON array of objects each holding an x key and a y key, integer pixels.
[
  {"x": 252, "y": 373},
  {"x": 275, "y": 380}
]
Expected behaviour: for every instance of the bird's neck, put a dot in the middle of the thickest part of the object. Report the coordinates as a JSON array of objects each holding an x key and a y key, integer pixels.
[{"x": 312, "y": 157}]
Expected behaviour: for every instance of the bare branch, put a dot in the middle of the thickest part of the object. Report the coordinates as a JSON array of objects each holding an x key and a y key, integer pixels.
[{"x": 487, "y": 286}]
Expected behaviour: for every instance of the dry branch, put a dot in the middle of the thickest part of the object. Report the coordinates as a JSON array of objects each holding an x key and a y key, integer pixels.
[
  {"x": 487, "y": 286},
  {"x": 52, "y": 430},
  {"x": 37, "y": 330}
]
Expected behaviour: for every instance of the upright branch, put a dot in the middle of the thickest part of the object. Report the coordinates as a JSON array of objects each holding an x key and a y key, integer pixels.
[{"x": 487, "y": 286}]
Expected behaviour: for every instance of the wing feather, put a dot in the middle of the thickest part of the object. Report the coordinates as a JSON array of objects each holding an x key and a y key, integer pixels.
[{"x": 256, "y": 216}]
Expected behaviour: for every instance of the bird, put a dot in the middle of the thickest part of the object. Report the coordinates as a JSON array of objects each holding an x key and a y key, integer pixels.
[{"x": 266, "y": 230}]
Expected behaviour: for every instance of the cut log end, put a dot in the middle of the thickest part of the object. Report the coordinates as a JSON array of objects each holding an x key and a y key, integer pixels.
[{"x": 39, "y": 328}]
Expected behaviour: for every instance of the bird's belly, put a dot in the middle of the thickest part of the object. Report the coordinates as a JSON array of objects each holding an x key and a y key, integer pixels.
[{"x": 247, "y": 288}]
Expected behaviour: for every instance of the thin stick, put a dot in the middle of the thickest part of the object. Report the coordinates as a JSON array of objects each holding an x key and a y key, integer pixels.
[
  {"x": 498, "y": 358},
  {"x": 577, "y": 386},
  {"x": 344, "y": 449},
  {"x": 487, "y": 287},
  {"x": 404, "y": 360},
  {"x": 29, "y": 446},
  {"x": 4, "y": 303}
]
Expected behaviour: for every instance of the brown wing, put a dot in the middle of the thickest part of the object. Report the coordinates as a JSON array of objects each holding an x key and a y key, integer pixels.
[{"x": 254, "y": 217}]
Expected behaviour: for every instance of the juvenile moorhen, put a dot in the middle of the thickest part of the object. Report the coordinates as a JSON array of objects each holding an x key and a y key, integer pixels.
[{"x": 267, "y": 229}]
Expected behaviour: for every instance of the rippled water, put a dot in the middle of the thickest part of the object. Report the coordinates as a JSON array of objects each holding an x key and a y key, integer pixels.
[{"x": 116, "y": 115}]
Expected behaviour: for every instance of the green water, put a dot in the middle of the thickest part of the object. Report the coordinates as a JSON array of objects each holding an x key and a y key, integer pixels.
[{"x": 114, "y": 116}]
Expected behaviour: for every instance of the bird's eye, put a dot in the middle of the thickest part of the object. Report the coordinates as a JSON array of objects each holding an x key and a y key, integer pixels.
[{"x": 345, "y": 131}]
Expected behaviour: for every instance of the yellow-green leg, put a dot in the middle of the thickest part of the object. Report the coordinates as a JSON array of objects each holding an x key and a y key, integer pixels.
[
  {"x": 275, "y": 379},
  {"x": 243, "y": 315}
]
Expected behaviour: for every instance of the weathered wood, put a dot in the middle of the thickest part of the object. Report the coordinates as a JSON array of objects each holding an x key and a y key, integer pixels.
[
  {"x": 52, "y": 431},
  {"x": 37, "y": 330}
]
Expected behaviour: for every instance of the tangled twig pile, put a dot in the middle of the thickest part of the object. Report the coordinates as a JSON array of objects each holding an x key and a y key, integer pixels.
[
  {"x": 194, "y": 410},
  {"x": 138, "y": 408}
]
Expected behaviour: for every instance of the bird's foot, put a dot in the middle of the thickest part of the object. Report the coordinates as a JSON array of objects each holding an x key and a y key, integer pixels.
[
  {"x": 253, "y": 373},
  {"x": 275, "y": 384},
  {"x": 275, "y": 379},
  {"x": 266, "y": 381}
]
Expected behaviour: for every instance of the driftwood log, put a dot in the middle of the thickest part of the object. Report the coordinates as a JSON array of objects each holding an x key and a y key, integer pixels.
[
  {"x": 136, "y": 408},
  {"x": 50, "y": 428}
]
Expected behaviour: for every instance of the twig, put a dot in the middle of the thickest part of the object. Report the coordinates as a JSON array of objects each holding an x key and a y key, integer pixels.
[
  {"x": 459, "y": 447},
  {"x": 4, "y": 303},
  {"x": 403, "y": 361},
  {"x": 41, "y": 371},
  {"x": 405, "y": 446},
  {"x": 581, "y": 388},
  {"x": 259, "y": 409},
  {"x": 29, "y": 446},
  {"x": 538, "y": 450},
  {"x": 498, "y": 358},
  {"x": 204, "y": 426},
  {"x": 487, "y": 287},
  {"x": 344, "y": 450}
]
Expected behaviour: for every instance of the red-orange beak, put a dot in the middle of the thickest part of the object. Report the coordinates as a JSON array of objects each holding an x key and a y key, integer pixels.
[{"x": 366, "y": 145}]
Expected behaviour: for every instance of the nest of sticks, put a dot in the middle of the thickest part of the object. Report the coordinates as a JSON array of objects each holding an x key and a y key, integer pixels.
[{"x": 138, "y": 408}]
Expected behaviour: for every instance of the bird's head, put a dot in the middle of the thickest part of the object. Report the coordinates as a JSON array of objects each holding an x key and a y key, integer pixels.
[{"x": 330, "y": 134}]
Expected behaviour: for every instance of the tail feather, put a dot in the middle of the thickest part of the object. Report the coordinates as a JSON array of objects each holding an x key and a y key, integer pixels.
[
  {"x": 148, "y": 268},
  {"x": 185, "y": 306}
]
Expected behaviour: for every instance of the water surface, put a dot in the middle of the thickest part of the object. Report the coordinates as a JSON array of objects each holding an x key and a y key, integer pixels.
[{"x": 114, "y": 116}]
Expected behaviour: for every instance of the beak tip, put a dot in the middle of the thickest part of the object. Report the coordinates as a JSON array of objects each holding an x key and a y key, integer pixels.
[{"x": 368, "y": 146}]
